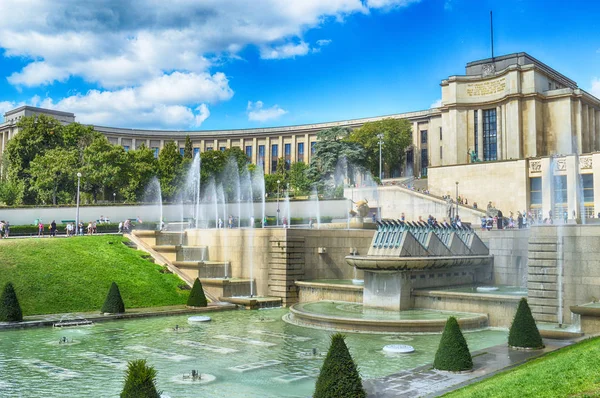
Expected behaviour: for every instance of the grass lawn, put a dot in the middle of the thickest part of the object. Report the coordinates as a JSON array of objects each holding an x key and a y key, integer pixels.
[
  {"x": 573, "y": 371},
  {"x": 74, "y": 274}
]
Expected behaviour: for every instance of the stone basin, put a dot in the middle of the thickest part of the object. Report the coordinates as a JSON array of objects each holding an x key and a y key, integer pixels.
[{"x": 389, "y": 263}]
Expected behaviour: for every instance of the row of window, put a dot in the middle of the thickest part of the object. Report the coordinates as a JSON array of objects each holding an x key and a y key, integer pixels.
[{"x": 560, "y": 189}]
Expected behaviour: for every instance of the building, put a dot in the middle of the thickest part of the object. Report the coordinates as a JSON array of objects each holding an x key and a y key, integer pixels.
[{"x": 495, "y": 137}]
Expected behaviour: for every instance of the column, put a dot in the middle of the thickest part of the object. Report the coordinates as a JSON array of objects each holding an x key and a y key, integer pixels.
[
  {"x": 499, "y": 134},
  {"x": 133, "y": 144},
  {"x": 578, "y": 131},
  {"x": 596, "y": 171},
  {"x": 584, "y": 148},
  {"x": 592, "y": 129},
  {"x": 573, "y": 195},
  {"x": 162, "y": 144},
  {"x": 202, "y": 147},
  {"x": 119, "y": 140},
  {"x": 307, "y": 153},
  {"x": 597, "y": 133},
  {"x": 254, "y": 151},
  {"x": 547, "y": 184},
  {"x": 416, "y": 150},
  {"x": 215, "y": 145},
  {"x": 294, "y": 148},
  {"x": 267, "y": 155},
  {"x": 228, "y": 143},
  {"x": 480, "y": 133}
]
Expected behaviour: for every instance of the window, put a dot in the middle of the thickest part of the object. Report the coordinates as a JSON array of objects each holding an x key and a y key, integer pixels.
[
  {"x": 587, "y": 183},
  {"x": 249, "y": 152},
  {"x": 209, "y": 148},
  {"x": 423, "y": 136},
  {"x": 489, "y": 134},
  {"x": 155, "y": 150},
  {"x": 560, "y": 197},
  {"x": 535, "y": 190},
  {"x": 181, "y": 151},
  {"x": 287, "y": 149},
  {"x": 222, "y": 148},
  {"x": 300, "y": 157},
  {"x": 196, "y": 151},
  {"x": 274, "y": 155},
  {"x": 261, "y": 156},
  {"x": 312, "y": 148},
  {"x": 476, "y": 130},
  {"x": 126, "y": 147},
  {"x": 440, "y": 133},
  {"x": 441, "y": 153},
  {"x": 424, "y": 162}
]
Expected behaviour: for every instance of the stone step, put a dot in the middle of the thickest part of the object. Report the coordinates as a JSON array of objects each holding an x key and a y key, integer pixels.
[
  {"x": 546, "y": 318},
  {"x": 165, "y": 248},
  {"x": 536, "y": 247},
  {"x": 543, "y": 270},
  {"x": 200, "y": 263},
  {"x": 542, "y": 240},
  {"x": 542, "y": 294},
  {"x": 542, "y": 309},
  {"x": 542, "y": 263},
  {"x": 540, "y": 278},
  {"x": 531, "y": 285},
  {"x": 292, "y": 272},
  {"x": 541, "y": 301},
  {"x": 542, "y": 255}
]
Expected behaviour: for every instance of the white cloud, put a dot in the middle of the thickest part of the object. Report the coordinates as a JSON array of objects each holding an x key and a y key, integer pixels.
[
  {"x": 202, "y": 115},
  {"x": 257, "y": 113},
  {"x": 390, "y": 3},
  {"x": 323, "y": 42},
  {"x": 595, "y": 90},
  {"x": 436, "y": 104},
  {"x": 289, "y": 50}
]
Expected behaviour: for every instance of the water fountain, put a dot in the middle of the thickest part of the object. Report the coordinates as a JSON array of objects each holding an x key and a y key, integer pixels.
[
  {"x": 317, "y": 209},
  {"x": 153, "y": 195}
]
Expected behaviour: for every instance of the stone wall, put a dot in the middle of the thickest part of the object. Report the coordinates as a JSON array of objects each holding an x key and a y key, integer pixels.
[{"x": 510, "y": 251}]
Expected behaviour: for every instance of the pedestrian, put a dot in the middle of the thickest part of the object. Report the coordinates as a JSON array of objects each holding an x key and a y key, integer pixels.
[
  {"x": 285, "y": 222},
  {"x": 264, "y": 222},
  {"x": 230, "y": 222},
  {"x": 69, "y": 229},
  {"x": 310, "y": 223},
  {"x": 40, "y": 228},
  {"x": 120, "y": 227},
  {"x": 251, "y": 222},
  {"x": 53, "y": 229},
  {"x": 6, "y": 229}
]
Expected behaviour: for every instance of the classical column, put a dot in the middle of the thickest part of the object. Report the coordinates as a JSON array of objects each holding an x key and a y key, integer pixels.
[
  {"x": 573, "y": 195},
  {"x": 294, "y": 148},
  {"x": 267, "y": 155},
  {"x": 228, "y": 143},
  {"x": 133, "y": 144},
  {"x": 597, "y": 132},
  {"x": 585, "y": 131},
  {"x": 254, "y": 151},
  {"x": 591, "y": 129},
  {"x": 596, "y": 171},
  {"x": 480, "y": 134},
  {"x": 578, "y": 131},
  {"x": 119, "y": 140},
  {"x": 307, "y": 154}
]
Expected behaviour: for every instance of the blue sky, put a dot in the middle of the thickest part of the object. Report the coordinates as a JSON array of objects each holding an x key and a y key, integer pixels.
[{"x": 220, "y": 64}]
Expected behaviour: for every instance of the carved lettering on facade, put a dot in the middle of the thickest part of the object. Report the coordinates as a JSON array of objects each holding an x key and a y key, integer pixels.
[
  {"x": 487, "y": 87},
  {"x": 585, "y": 162},
  {"x": 535, "y": 166}
]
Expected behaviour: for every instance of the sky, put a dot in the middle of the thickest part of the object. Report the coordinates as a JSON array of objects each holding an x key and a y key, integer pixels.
[{"x": 229, "y": 64}]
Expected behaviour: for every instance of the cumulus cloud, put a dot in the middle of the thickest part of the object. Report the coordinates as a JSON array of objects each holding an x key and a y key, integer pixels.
[
  {"x": 289, "y": 50},
  {"x": 436, "y": 104},
  {"x": 323, "y": 42},
  {"x": 595, "y": 89},
  {"x": 257, "y": 113}
]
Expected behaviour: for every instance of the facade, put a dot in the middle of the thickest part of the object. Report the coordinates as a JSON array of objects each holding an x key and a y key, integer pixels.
[{"x": 501, "y": 119}]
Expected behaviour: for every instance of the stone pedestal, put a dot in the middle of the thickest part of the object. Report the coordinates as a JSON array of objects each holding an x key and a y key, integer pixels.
[{"x": 387, "y": 290}]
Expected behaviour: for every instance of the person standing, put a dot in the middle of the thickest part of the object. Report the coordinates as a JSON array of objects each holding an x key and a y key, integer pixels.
[
  {"x": 6, "y": 229},
  {"x": 40, "y": 229}
]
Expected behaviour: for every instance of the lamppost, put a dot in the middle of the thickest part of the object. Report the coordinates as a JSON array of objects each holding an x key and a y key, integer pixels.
[
  {"x": 380, "y": 136},
  {"x": 457, "y": 200},
  {"x": 114, "y": 197},
  {"x": 278, "y": 182},
  {"x": 77, "y": 215}
]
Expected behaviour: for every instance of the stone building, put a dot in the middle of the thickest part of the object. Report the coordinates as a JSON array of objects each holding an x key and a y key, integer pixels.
[{"x": 497, "y": 136}]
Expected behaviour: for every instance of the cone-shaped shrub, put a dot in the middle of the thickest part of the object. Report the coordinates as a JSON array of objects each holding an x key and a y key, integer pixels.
[
  {"x": 453, "y": 353},
  {"x": 339, "y": 375},
  {"x": 197, "y": 297},
  {"x": 140, "y": 381},
  {"x": 113, "y": 303},
  {"x": 523, "y": 331},
  {"x": 10, "y": 310}
]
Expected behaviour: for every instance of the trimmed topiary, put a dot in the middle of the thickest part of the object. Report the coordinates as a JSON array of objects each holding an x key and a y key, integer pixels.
[
  {"x": 140, "y": 381},
  {"x": 453, "y": 352},
  {"x": 339, "y": 375},
  {"x": 113, "y": 303},
  {"x": 523, "y": 331},
  {"x": 10, "y": 310},
  {"x": 197, "y": 297}
]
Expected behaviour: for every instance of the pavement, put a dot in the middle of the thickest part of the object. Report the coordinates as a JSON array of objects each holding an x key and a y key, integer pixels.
[{"x": 425, "y": 381}]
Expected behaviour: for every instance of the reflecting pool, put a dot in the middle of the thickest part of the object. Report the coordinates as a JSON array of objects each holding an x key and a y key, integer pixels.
[{"x": 250, "y": 354}]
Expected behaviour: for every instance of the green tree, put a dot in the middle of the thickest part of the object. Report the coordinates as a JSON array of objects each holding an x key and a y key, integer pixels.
[
  {"x": 170, "y": 170},
  {"x": 397, "y": 136},
  {"x": 53, "y": 173},
  {"x": 523, "y": 332},
  {"x": 140, "y": 381},
  {"x": 113, "y": 303},
  {"x": 339, "y": 375},
  {"x": 298, "y": 178},
  {"x": 213, "y": 164},
  {"x": 197, "y": 298},
  {"x": 102, "y": 169},
  {"x": 10, "y": 310},
  {"x": 188, "y": 150},
  {"x": 453, "y": 352},
  {"x": 11, "y": 192},
  {"x": 141, "y": 166}
]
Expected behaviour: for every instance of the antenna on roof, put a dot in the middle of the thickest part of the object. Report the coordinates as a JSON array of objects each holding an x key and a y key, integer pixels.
[{"x": 492, "y": 33}]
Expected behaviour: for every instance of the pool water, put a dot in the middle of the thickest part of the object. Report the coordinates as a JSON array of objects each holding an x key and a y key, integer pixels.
[
  {"x": 502, "y": 290},
  {"x": 250, "y": 353}
]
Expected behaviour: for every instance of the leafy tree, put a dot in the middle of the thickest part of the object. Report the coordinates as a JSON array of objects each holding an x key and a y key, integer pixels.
[
  {"x": 103, "y": 165},
  {"x": 52, "y": 173},
  {"x": 339, "y": 375},
  {"x": 453, "y": 352},
  {"x": 170, "y": 170},
  {"x": 78, "y": 136},
  {"x": 281, "y": 167},
  {"x": 397, "y": 136},
  {"x": 140, "y": 381},
  {"x": 271, "y": 184},
  {"x": 11, "y": 192},
  {"x": 197, "y": 297},
  {"x": 141, "y": 167},
  {"x": 523, "y": 331},
  {"x": 113, "y": 303},
  {"x": 10, "y": 310},
  {"x": 188, "y": 150},
  {"x": 298, "y": 178}
]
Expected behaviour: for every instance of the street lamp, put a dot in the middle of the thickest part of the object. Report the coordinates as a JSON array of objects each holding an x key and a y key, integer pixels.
[
  {"x": 114, "y": 197},
  {"x": 77, "y": 215},
  {"x": 278, "y": 182},
  {"x": 457, "y": 200},
  {"x": 380, "y": 136}
]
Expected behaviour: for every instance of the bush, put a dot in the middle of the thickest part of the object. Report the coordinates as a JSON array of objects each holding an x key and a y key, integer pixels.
[
  {"x": 339, "y": 375},
  {"x": 523, "y": 331},
  {"x": 197, "y": 297},
  {"x": 140, "y": 381},
  {"x": 10, "y": 310},
  {"x": 113, "y": 303},
  {"x": 453, "y": 353}
]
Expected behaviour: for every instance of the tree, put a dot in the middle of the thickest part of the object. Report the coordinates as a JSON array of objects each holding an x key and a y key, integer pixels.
[
  {"x": 141, "y": 167},
  {"x": 103, "y": 167},
  {"x": 197, "y": 297},
  {"x": 213, "y": 164},
  {"x": 11, "y": 192},
  {"x": 188, "y": 150},
  {"x": 10, "y": 310},
  {"x": 397, "y": 136},
  {"x": 298, "y": 178},
  {"x": 523, "y": 331},
  {"x": 170, "y": 170},
  {"x": 113, "y": 303},
  {"x": 140, "y": 381},
  {"x": 453, "y": 352},
  {"x": 339, "y": 375},
  {"x": 52, "y": 173}
]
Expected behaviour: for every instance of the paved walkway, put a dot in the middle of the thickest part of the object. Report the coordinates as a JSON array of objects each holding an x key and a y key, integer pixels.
[{"x": 425, "y": 381}]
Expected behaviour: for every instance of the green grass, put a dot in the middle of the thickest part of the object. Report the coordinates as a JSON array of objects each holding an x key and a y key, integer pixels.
[
  {"x": 71, "y": 275},
  {"x": 573, "y": 371}
]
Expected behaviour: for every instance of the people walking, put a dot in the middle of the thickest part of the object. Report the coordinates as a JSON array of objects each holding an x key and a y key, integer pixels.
[
  {"x": 53, "y": 229},
  {"x": 40, "y": 229}
]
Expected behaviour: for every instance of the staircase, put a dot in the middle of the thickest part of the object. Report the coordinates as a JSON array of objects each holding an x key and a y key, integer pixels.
[
  {"x": 286, "y": 265},
  {"x": 543, "y": 277}
]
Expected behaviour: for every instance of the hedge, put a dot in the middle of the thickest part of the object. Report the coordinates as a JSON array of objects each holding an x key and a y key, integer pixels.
[
  {"x": 197, "y": 297},
  {"x": 10, "y": 310},
  {"x": 113, "y": 303},
  {"x": 523, "y": 331},
  {"x": 140, "y": 381},
  {"x": 453, "y": 352},
  {"x": 339, "y": 375}
]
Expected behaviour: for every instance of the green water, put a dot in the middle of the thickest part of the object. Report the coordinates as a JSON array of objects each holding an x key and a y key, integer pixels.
[
  {"x": 31, "y": 359},
  {"x": 333, "y": 281},
  {"x": 341, "y": 309},
  {"x": 502, "y": 290}
]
